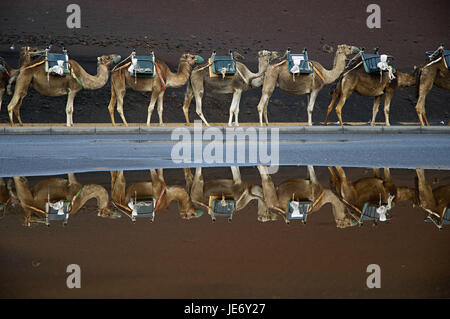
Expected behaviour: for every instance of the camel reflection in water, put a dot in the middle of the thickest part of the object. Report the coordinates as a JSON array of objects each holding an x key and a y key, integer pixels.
[
  {"x": 293, "y": 198},
  {"x": 239, "y": 191},
  {"x": 305, "y": 190},
  {"x": 157, "y": 188},
  {"x": 377, "y": 192},
  {"x": 33, "y": 200},
  {"x": 435, "y": 202}
]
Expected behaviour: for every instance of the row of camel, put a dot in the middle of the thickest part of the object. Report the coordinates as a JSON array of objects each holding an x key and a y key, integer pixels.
[
  {"x": 346, "y": 197},
  {"x": 271, "y": 74}
]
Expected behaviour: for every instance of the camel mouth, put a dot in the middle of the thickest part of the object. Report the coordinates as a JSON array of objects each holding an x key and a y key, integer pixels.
[
  {"x": 199, "y": 213},
  {"x": 200, "y": 60},
  {"x": 116, "y": 59}
]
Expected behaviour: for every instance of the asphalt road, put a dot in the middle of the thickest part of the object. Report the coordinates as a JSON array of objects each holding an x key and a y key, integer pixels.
[{"x": 42, "y": 153}]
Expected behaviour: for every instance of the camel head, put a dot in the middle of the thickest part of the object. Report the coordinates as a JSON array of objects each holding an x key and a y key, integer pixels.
[
  {"x": 266, "y": 56},
  {"x": 191, "y": 59},
  {"x": 28, "y": 53},
  {"x": 346, "y": 49},
  {"x": 108, "y": 212},
  {"x": 108, "y": 59},
  {"x": 191, "y": 213}
]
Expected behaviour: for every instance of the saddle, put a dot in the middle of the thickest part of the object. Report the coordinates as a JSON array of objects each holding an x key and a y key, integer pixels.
[
  {"x": 223, "y": 206},
  {"x": 58, "y": 210},
  {"x": 142, "y": 207},
  {"x": 57, "y": 63},
  {"x": 440, "y": 52},
  {"x": 376, "y": 63},
  {"x": 299, "y": 63},
  {"x": 299, "y": 209},
  {"x": 222, "y": 66},
  {"x": 142, "y": 65}
]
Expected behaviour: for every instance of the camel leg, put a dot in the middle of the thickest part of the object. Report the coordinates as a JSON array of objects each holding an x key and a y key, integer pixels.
[
  {"x": 187, "y": 101},
  {"x": 376, "y": 105},
  {"x": 189, "y": 179},
  {"x": 236, "y": 174},
  {"x": 234, "y": 108},
  {"x": 334, "y": 98},
  {"x": 312, "y": 100},
  {"x": 151, "y": 106},
  {"x": 197, "y": 186},
  {"x": 69, "y": 107},
  {"x": 22, "y": 84},
  {"x": 17, "y": 110},
  {"x": 270, "y": 194},
  {"x": 112, "y": 103},
  {"x": 120, "y": 90},
  {"x": 161, "y": 107},
  {"x": 387, "y": 105},
  {"x": 2, "y": 91},
  {"x": 426, "y": 83},
  {"x": 312, "y": 175},
  {"x": 339, "y": 107},
  {"x": 267, "y": 90},
  {"x": 198, "y": 94}
]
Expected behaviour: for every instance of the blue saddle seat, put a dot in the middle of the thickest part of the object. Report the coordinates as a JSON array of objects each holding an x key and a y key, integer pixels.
[
  {"x": 304, "y": 208},
  {"x": 370, "y": 62},
  {"x": 145, "y": 66},
  {"x": 304, "y": 66},
  {"x": 219, "y": 209},
  {"x": 225, "y": 63},
  {"x": 145, "y": 207},
  {"x": 52, "y": 60},
  {"x": 52, "y": 214}
]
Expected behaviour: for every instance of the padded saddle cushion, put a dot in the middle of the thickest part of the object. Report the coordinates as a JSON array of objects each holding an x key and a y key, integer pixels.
[
  {"x": 370, "y": 62},
  {"x": 304, "y": 65},
  {"x": 223, "y": 62},
  {"x": 53, "y": 213},
  {"x": 223, "y": 210},
  {"x": 145, "y": 206},
  {"x": 145, "y": 66},
  {"x": 52, "y": 60},
  {"x": 304, "y": 208}
]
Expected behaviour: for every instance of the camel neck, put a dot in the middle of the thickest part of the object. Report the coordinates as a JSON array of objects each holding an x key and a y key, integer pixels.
[{"x": 180, "y": 78}]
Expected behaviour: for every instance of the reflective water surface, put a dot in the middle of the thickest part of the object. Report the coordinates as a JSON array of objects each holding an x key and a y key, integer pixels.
[{"x": 305, "y": 231}]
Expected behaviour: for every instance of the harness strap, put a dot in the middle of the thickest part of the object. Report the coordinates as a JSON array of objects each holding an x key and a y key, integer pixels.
[
  {"x": 76, "y": 195},
  {"x": 160, "y": 77},
  {"x": 353, "y": 68},
  {"x": 160, "y": 196},
  {"x": 34, "y": 65},
  {"x": 317, "y": 72},
  {"x": 35, "y": 209}
]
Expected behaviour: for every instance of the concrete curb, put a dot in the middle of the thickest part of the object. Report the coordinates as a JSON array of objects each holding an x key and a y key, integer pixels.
[{"x": 96, "y": 130}]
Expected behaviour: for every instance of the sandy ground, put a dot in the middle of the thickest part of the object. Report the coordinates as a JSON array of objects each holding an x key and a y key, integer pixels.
[{"x": 174, "y": 258}]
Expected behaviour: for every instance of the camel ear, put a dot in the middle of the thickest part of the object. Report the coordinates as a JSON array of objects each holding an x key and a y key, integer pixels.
[
  {"x": 238, "y": 56},
  {"x": 98, "y": 59}
]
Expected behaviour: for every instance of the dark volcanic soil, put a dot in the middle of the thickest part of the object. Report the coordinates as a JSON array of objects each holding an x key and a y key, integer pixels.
[{"x": 171, "y": 28}]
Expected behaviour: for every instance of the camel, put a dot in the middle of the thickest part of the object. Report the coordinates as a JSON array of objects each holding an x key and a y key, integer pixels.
[
  {"x": 369, "y": 189},
  {"x": 367, "y": 84},
  {"x": 277, "y": 198},
  {"x": 434, "y": 72},
  {"x": 241, "y": 192},
  {"x": 433, "y": 201},
  {"x": 8, "y": 74},
  {"x": 121, "y": 79},
  {"x": 165, "y": 194},
  {"x": 55, "y": 85},
  {"x": 32, "y": 200},
  {"x": 310, "y": 84},
  {"x": 242, "y": 80},
  {"x": 4, "y": 197}
]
